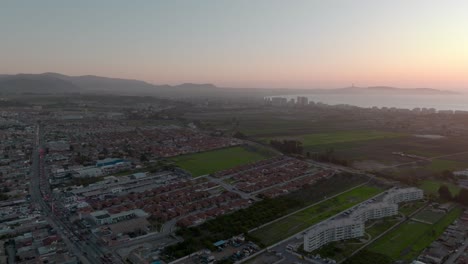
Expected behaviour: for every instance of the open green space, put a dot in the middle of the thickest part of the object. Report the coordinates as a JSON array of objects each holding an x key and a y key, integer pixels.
[
  {"x": 215, "y": 160},
  {"x": 409, "y": 239},
  {"x": 377, "y": 227},
  {"x": 300, "y": 221},
  {"x": 408, "y": 208},
  {"x": 432, "y": 187},
  {"x": 429, "y": 216}
]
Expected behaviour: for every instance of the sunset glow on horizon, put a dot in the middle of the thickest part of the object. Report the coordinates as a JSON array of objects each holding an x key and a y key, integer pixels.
[{"x": 270, "y": 44}]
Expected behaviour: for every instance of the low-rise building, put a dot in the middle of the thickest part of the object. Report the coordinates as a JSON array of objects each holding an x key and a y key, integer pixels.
[{"x": 103, "y": 217}]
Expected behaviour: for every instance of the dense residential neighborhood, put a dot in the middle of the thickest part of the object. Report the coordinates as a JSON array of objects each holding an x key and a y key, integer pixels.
[{"x": 97, "y": 187}]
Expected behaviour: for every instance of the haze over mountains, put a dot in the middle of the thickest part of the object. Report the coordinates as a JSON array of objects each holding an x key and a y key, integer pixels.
[{"x": 55, "y": 83}]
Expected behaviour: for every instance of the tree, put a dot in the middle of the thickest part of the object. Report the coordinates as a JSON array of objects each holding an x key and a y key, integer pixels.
[
  {"x": 447, "y": 176},
  {"x": 445, "y": 193},
  {"x": 143, "y": 157},
  {"x": 287, "y": 146},
  {"x": 462, "y": 197},
  {"x": 239, "y": 135}
]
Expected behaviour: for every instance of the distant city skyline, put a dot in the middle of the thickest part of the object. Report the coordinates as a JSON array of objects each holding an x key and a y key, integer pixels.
[{"x": 270, "y": 44}]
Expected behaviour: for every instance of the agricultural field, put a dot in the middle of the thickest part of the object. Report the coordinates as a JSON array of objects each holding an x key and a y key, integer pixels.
[
  {"x": 432, "y": 187},
  {"x": 257, "y": 122},
  {"x": 409, "y": 239},
  {"x": 364, "y": 146},
  {"x": 300, "y": 221},
  {"x": 378, "y": 150},
  {"x": 439, "y": 165},
  {"x": 339, "y": 137},
  {"x": 215, "y": 160}
]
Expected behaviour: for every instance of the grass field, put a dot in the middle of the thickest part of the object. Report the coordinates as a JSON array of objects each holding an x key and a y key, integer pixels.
[
  {"x": 380, "y": 226},
  {"x": 408, "y": 240},
  {"x": 432, "y": 187},
  {"x": 428, "y": 215},
  {"x": 300, "y": 221},
  {"x": 211, "y": 161},
  {"x": 408, "y": 208}
]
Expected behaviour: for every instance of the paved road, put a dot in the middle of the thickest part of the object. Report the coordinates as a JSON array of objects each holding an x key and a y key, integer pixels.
[
  {"x": 454, "y": 257},
  {"x": 230, "y": 188},
  {"x": 36, "y": 197},
  {"x": 87, "y": 252}
]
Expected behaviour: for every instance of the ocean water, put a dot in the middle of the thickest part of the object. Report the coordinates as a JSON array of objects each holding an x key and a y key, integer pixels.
[{"x": 439, "y": 102}]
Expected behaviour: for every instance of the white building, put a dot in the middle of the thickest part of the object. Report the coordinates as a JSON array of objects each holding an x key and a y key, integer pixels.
[
  {"x": 461, "y": 173},
  {"x": 333, "y": 230},
  {"x": 90, "y": 171},
  {"x": 351, "y": 224},
  {"x": 103, "y": 217},
  {"x": 403, "y": 195},
  {"x": 374, "y": 211}
]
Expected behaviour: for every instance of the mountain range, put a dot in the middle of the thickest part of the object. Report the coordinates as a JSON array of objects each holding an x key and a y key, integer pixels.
[{"x": 55, "y": 83}]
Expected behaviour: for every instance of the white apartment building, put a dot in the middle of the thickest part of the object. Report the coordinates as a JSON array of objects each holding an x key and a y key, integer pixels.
[
  {"x": 352, "y": 223},
  {"x": 334, "y": 230},
  {"x": 374, "y": 211},
  {"x": 403, "y": 195}
]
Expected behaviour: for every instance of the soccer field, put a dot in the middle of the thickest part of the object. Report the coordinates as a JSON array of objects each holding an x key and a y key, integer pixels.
[{"x": 215, "y": 160}]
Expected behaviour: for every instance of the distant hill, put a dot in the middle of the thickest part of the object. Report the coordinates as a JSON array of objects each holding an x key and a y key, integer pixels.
[
  {"x": 58, "y": 83},
  {"x": 33, "y": 83},
  {"x": 91, "y": 83}
]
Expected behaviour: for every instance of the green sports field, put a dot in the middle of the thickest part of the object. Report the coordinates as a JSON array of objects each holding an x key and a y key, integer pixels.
[
  {"x": 215, "y": 160},
  {"x": 300, "y": 221}
]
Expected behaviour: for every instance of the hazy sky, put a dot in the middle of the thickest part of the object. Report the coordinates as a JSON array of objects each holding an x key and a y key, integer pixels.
[{"x": 242, "y": 43}]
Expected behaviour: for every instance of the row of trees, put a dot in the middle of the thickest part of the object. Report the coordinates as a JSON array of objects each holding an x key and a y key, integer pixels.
[
  {"x": 288, "y": 146},
  {"x": 222, "y": 227},
  {"x": 328, "y": 156}
]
